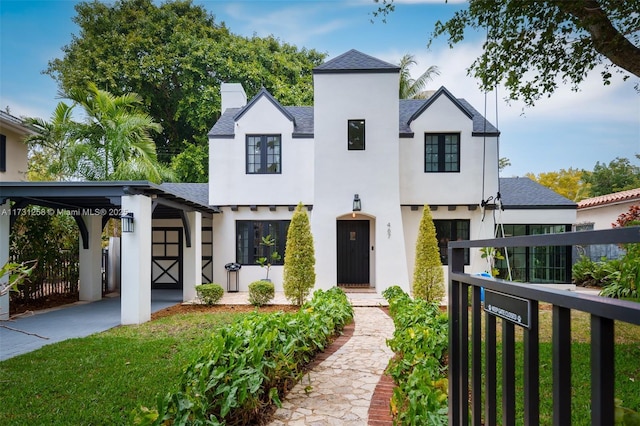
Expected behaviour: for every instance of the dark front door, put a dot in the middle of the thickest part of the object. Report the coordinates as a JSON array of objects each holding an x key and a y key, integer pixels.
[{"x": 353, "y": 252}]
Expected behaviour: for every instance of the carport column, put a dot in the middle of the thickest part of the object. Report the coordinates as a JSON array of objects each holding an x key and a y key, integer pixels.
[
  {"x": 192, "y": 257},
  {"x": 5, "y": 222},
  {"x": 91, "y": 260},
  {"x": 135, "y": 288}
]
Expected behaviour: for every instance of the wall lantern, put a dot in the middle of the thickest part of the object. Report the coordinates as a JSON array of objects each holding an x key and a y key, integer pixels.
[
  {"x": 357, "y": 204},
  {"x": 127, "y": 222}
]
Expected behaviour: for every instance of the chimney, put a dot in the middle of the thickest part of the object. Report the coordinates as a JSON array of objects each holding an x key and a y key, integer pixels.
[{"x": 232, "y": 95}]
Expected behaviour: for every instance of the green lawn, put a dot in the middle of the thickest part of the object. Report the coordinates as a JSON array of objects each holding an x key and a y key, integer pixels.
[{"x": 99, "y": 379}]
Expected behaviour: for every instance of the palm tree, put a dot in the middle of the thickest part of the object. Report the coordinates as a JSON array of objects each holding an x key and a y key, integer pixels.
[
  {"x": 50, "y": 145},
  {"x": 114, "y": 142},
  {"x": 410, "y": 88}
]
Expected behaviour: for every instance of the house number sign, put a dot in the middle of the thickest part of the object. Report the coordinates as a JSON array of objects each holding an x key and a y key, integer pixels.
[{"x": 511, "y": 308}]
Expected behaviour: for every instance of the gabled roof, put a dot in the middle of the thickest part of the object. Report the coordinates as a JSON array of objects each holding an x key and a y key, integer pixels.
[
  {"x": 354, "y": 61},
  {"x": 15, "y": 124},
  {"x": 614, "y": 198},
  {"x": 302, "y": 117},
  {"x": 263, "y": 93},
  {"x": 524, "y": 193},
  {"x": 411, "y": 109}
]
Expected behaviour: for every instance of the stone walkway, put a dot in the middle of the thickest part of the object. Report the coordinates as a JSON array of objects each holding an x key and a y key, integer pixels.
[{"x": 339, "y": 390}]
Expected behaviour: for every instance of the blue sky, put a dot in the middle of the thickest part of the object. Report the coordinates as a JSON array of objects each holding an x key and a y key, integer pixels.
[{"x": 570, "y": 129}]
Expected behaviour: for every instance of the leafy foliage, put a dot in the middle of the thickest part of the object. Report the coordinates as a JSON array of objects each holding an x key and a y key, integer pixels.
[
  {"x": 428, "y": 276},
  {"x": 272, "y": 256},
  {"x": 619, "y": 175},
  {"x": 112, "y": 143},
  {"x": 411, "y": 88},
  {"x": 42, "y": 236},
  {"x": 261, "y": 292},
  {"x": 192, "y": 164},
  {"x": 175, "y": 55},
  {"x": 586, "y": 272},
  {"x": 249, "y": 364},
  {"x": 419, "y": 368},
  {"x": 15, "y": 273},
  {"x": 210, "y": 294},
  {"x": 533, "y": 46},
  {"x": 569, "y": 183},
  {"x": 299, "y": 275},
  {"x": 631, "y": 217}
]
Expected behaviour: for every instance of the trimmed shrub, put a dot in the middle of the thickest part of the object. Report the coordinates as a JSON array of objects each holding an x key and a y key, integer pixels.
[
  {"x": 249, "y": 364},
  {"x": 210, "y": 294},
  {"x": 299, "y": 275},
  {"x": 261, "y": 292},
  {"x": 428, "y": 276}
]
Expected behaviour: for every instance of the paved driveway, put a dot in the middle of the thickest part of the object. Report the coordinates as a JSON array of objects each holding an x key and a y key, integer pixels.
[{"x": 78, "y": 320}]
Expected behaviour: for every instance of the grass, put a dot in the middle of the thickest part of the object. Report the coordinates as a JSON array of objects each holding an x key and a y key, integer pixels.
[
  {"x": 627, "y": 367},
  {"x": 101, "y": 378}
]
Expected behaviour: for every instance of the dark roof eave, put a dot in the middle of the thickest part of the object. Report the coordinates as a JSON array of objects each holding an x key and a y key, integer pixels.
[
  {"x": 541, "y": 207},
  {"x": 357, "y": 71},
  {"x": 302, "y": 135},
  {"x": 406, "y": 135},
  {"x": 485, "y": 133},
  {"x": 217, "y": 136}
]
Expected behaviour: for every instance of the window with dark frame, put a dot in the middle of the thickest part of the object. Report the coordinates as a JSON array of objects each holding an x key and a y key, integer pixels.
[
  {"x": 3, "y": 153},
  {"x": 355, "y": 135},
  {"x": 452, "y": 230},
  {"x": 548, "y": 264},
  {"x": 249, "y": 234},
  {"x": 441, "y": 152},
  {"x": 264, "y": 154}
]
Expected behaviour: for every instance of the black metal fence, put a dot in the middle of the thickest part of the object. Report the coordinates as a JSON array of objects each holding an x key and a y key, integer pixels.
[
  {"x": 59, "y": 275},
  {"x": 517, "y": 305}
]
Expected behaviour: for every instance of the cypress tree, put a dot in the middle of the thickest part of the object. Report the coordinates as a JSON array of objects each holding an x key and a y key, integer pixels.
[
  {"x": 428, "y": 276},
  {"x": 299, "y": 275}
]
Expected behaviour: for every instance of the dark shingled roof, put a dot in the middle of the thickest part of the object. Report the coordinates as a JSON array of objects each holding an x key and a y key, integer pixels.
[
  {"x": 194, "y": 192},
  {"x": 524, "y": 193},
  {"x": 354, "y": 61}
]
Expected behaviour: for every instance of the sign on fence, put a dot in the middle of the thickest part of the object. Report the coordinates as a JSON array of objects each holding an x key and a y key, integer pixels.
[{"x": 511, "y": 308}]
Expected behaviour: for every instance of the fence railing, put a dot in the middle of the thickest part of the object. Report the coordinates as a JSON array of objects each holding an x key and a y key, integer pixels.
[
  {"x": 516, "y": 304},
  {"x": 56, "y": 276}
]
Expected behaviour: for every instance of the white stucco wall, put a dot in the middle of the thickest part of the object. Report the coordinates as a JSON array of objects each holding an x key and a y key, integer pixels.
[
  {"x": 465, "y": 187},
  {"x": 224, "y": 246},
  {"x": 603, "y": 216},
  {"x": 229, "y": 184},
  {"x": 373, "y": 173},
  {"x": 16, "y": 155}
]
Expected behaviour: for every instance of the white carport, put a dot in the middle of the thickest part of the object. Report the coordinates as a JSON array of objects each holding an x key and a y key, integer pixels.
[{"x": 92, "y": 204}]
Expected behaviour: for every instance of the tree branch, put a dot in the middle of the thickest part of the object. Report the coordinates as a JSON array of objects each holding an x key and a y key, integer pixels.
[{"x": 607, "y": 40}]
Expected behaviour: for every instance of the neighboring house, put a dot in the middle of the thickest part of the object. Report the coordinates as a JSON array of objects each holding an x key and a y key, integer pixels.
[
  {"x": 13, "y": 150},
  {"x": 364, "y": 163},
  {"x": 601, "y": 213}
]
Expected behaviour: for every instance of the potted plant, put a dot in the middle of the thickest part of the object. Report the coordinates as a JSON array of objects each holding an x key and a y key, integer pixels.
[{"x": 266, "y": 261}]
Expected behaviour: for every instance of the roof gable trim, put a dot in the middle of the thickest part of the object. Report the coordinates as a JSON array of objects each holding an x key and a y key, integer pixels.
[
  {"x": 441, "y": 91},
  {"x": 264, "y": 93}
]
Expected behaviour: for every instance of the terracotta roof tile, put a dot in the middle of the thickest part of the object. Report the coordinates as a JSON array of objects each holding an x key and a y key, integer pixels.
[{"x": 616, "y": 197}]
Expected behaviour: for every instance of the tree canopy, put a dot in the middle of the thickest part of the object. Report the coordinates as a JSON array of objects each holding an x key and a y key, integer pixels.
[
  {"x": 619, "y": 175},
  {"x": 577, "y": 184},
  {"x": 175, "y": 55},
  {"x": 533, "y": 46},
  {"x": 112, "y": 143},
  {"x": 568, "y": 183}
]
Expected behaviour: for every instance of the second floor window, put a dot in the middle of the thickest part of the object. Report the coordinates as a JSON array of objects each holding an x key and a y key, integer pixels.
[
  {"x": 264, "y": 155},
  {"x": 441, "y": 152},
  {"x": 355, "y": 135}
]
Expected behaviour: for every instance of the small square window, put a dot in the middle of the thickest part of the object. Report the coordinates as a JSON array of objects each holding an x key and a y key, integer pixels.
[{"x": 356, "y": 135}]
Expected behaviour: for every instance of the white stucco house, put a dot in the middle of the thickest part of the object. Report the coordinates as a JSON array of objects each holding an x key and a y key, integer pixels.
[
  {"x": 13, "y": 150},
  {"x": 601, "y": 212},
  {"x": 362, "y": 162}
]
